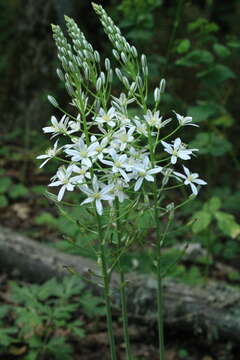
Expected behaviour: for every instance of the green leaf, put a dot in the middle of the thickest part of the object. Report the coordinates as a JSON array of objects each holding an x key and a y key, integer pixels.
[
  {"x": 35, "y": 342},
  {"x": 203, "y": 219},
  {"x": 32, "y": 355},
  {"x": 225, "y": 120},
  {"x": 7, "y": 336},
  {"x": 72, "y": 285},
  {"x": 227, "y": 224},
  {"x": 18, "y": 191},
  {"x": 183, "y": 46},
  {"x": 4, "y": 309},
  {"x": 196, "y": 57},
  {"x": 58, "y": 347},
  {"x": 92, "y": 305},
  {"x": 221, "y": 50},
  {"x": 234, "y": 44},
  {"x": 203, "y": 111},
  {"x": 38, "y": 189},
  {"x": 213, "y": 204},
  {"x": 76, "y": 329},
  {"x": 46, "y": 218},
  {"x": 211, "y": 143},
  {"x": 50, "y": 288},
  {"x": 203, "y": 25},
  {"x": 5, "y": 183},
  {"x": 3, "y": 201},
  {"x": 217, "y": 74}
]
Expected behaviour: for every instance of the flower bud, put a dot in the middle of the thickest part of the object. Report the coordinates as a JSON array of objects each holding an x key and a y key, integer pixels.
[
  {"x": 53, "y": 101},
  {"x": 99, "y": 84},
  {"x": 157, "y": 95},
  {"x": 103, "y": 78},
  {"x": 107, "y": 64},
  {"x": 60, "y": 74},
  {"x": 124, "y": 58},
  {"x": 125, "y": 82},
  {"x": 70, "y": 90},
  {"x": 134, "y": 51},
  {"x": 115, "y": 54},
  {"x": 96, "y": 56},
  {"x": 119, "y": 74},
  {"x": 133, "y": 87},
  {"x": 162, "y": 85}
]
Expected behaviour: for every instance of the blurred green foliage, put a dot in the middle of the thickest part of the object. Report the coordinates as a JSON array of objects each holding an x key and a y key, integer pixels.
[{"x": 41, "y": 319}]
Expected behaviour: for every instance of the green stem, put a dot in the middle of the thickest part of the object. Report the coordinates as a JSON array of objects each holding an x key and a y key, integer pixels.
[
  {"x": 159, "y": 278},
  {"x": 122, "y": 288},
  {"x": 106, "y": 292},
  {"x": 173, "y": 34}
]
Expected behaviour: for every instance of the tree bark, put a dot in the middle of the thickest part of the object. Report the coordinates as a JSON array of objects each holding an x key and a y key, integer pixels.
[{"x": 212, "y": 310}]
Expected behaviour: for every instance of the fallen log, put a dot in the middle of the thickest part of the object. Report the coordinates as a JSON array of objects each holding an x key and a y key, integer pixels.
[{"x": 212, "y": 310}]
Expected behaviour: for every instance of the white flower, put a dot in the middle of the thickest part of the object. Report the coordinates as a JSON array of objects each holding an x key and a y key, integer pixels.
[
  {"x": 153, "y": 119},
  {"x": 119, "y": 163},
  {"x": 82, "y": 174},
  {"x": 57, "y": 127},
  {"x": 176, "y": 150},
  {"x": 97, "y": 195},
  {"x": 123, "y": 119},
  {"x": 50, "y": 153},
  {"x": 106, "y": 117},
  {"x": 122, "y": 137},
  {"x": 141, "y": 127},
  {"x": 143, "y": 171},
  {"x": 63, "y": 174},
  {"x": 122, "y": 102},
  {"x": 184, "y": 120},
  {"x": 118, "y": 190},
  {"x": 75, "y": 126},
  {"x": 167, "y": 173},
  {"x": 82, "y": 152},
  {"x": 100, "y": 147},
  {"x": 190, "y": 179}
]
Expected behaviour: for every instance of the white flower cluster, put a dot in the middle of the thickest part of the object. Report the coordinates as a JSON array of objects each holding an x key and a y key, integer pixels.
[
  {"x": 110, "y": 153},
  {"x": 113, "y": 160}
]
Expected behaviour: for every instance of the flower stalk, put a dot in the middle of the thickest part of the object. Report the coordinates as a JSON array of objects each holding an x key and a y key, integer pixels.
[
  {"x": 122, "y": 287},
  {"x": 106, "y": 281}
]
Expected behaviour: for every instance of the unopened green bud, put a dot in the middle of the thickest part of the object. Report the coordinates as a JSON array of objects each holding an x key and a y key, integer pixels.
[
  {"x": 162, "y": 85},
  {"x": 124, "y": 58},
  {"x": 60, "y": 74},
  {"x": 107, "y": 64},
  {"x": 110, "y": 75},
  {"x": 119, "y": 74},
  {"x": 53, "y": 101},
  {"x": 133, "y": 87},
  {"x": 103, "y": 78},
  {"x": 96, "y": 56},
  {"x": 134, "y": 51},
  {"x": 157, "y": 95},
  {"x": 99, "y": 84},
  {"x": 70, "y": 89},
  {"x": 139, "y": 81},
  {"x": 115, "y": 54},
  {"x": 125, "y": 82}
]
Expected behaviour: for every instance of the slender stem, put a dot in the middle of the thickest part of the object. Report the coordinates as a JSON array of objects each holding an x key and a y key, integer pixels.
[
  {"x": 158, "y": 249},
  {"x": 106, "y": 292},
  {"x": 173, "y": 34},
  {"x": 159, "y": 278},
  {"x": 122, "y": 288}
]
